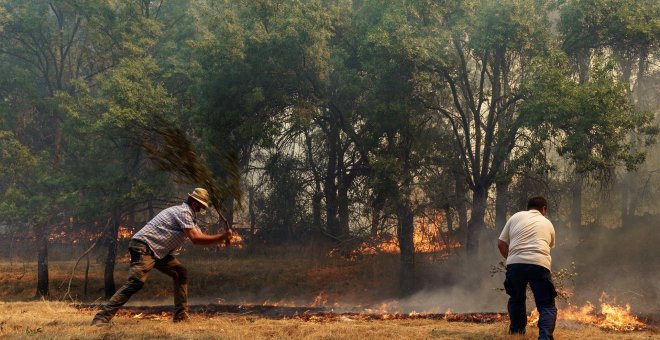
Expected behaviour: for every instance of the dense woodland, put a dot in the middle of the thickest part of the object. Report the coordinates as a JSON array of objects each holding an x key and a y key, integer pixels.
[{"x": 344, "y": 121}]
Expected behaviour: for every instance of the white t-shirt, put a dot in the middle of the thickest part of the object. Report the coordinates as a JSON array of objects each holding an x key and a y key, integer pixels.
[{"x": 530, "y": 236}]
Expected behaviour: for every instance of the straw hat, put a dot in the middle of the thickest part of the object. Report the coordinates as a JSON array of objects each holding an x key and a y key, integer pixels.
[{"x": 200, "y": 195}]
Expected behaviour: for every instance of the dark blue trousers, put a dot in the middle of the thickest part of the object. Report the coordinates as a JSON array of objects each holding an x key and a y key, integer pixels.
[{"x": 518, "y": 275}]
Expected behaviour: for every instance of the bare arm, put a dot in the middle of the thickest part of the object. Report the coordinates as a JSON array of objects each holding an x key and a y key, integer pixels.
[
  {"x": 199, "y": 238},
  {"x": 503, "y": 247}
]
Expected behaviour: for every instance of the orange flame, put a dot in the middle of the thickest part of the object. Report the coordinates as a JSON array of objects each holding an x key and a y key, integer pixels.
[
  {"x": 611, "y": 317},
  {"x": 320, "y": 300},
  {"x": 617, "y": 317},
  {"x": 427, "y": 238},
  {"x": 236, "y": 240},
  {"x": 124, "y": 232},
  {"x": 63, "y": 236}
]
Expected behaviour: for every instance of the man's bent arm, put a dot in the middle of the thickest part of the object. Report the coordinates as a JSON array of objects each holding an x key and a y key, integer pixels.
[
  {"x": 199, "y": 238},
  {"x": 503, "y": 247}
]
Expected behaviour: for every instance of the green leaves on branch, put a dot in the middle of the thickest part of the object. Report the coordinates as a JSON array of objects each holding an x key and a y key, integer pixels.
[
  {"x": 172, "y": 152},
  {"x": 590, "y": 123}
]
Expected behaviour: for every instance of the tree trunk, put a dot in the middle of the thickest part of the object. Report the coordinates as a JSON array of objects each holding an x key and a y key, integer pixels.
[
  {"x": 449, "y": 216},
  {"x": 317, "y": 197},
  {"x": 109, "y": 272},
  {"x": 332, "y": 223},
  {"x": 86, "y": 282},
  {"x": 461, "y": 209},
  {"x": 42, "y": 264},
  {"x": 405, "y": 233},
  {"x": 11, "y": 248},
  {"x": 476, "y": 225},
  {"x": 377, "y": 206},
  {"x": 329, "y": 182},
  {"x": 251, "y": 211},
  {"x": 342, "y": 208},
  {"x": 576, "y": 204},
  {"x": 501, "y": 204},
  {"x": 375, "y": 222},
  {"x": 229, "y": 211},
  {"x": 316, "y": 209}
]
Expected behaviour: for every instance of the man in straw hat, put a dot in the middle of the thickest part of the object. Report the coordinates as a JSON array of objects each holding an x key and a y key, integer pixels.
[{"x": 154, "y": 246}]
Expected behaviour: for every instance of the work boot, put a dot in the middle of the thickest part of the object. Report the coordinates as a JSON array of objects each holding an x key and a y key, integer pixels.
[
  {"x": 181, "y": 317},
  {"x": 99, "y": 322}
]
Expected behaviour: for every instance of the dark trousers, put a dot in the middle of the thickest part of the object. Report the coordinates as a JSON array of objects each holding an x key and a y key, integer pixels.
[
  {"x": 142, "y": 261},
  {"x": 518, "y": 275}
]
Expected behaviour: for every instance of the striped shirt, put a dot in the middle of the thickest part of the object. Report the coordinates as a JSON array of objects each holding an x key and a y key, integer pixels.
[{"x": 164, "y": 233}]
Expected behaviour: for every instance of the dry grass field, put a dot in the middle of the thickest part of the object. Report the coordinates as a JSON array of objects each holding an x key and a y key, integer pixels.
[{"x": 60, "y": 320}]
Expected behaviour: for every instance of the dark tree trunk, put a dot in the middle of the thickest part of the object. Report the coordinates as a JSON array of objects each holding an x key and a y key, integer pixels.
[
  {"x": 375, "y": 222},
  {"x": 330, "y": 190},
  {"x": 316, "y": 208},
  {"x": 461, "y": 209},
  {"x": 501, "y": 204},
  {"x": 405, "y": 233},
  {"x": 251, "y": 211},
  {"x": 476, "y": 225},
  {"x": 227, "y": 210},
  {"x": 450, "y": 221},
  {"x": 86, "y": 282},
  {"x": 377, "y": 206},
  {"x": 109, "y": 272},
  {"x": 332, "y": 223},
  {"x": 290, "y": 215},
  {"x": 42, "y": 264},
  {"x": 11, "y": 247},
  {"x": 330, "y": 181},
  {"x": 317, "y": 197},
  {"x": 342, "y": 207}
]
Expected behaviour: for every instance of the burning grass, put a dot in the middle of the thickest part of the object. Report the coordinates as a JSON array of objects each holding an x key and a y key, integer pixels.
[{"x": 611, "y": 317}]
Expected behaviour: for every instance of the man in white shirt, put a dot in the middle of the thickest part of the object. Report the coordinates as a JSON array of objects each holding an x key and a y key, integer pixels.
[{"x": 525, "y": 243}]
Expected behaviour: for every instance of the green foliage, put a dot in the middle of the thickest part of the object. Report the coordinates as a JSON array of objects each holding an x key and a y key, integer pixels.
[
  {"x": 590, "y": 122},
  {"x": 134, "y": 97},
  {"x": 17, "y": 161},
  {"x": 513, "y": 25},
  {"x": 623, "y": 25},
  {"x": 254, "y": 61},
  {"x": 27, "y": 185},
  {"x": 172, "y": 151}
]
